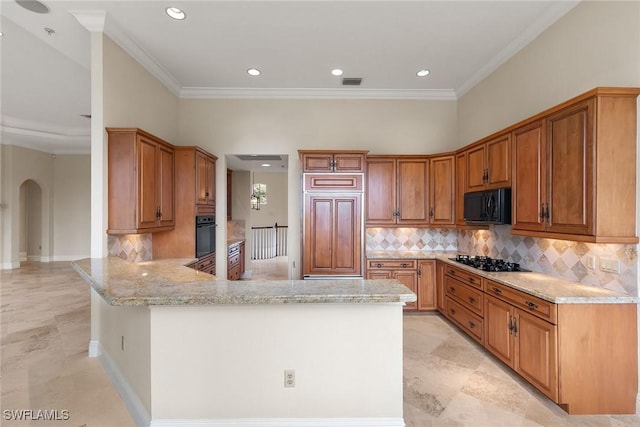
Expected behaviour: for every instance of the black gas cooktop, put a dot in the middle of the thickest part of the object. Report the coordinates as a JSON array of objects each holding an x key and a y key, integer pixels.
[{"x": 486, "y": 263}]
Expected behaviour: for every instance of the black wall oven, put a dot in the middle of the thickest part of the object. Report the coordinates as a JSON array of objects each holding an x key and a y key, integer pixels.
[{"x": 205, "y": 235}]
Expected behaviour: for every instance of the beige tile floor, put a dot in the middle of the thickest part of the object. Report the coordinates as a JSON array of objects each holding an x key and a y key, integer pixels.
[{"x": 449, "y": 380}]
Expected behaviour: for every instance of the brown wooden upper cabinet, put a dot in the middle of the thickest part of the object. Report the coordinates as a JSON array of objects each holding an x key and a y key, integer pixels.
[
  {"x": 332, "y": 162},
  {"x": 442, "y": 190},
  {"x": 574, "y": 170},
  {"x": 205, "y": 179},
  {"x": 461, "y": 186},
  {"x": 140, "y": 181},
  {"x": 397, "y": 191},
  {"x": 489, "y": 164}
]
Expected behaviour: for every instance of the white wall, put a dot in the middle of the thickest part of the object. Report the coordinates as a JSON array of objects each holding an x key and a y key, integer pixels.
[
  {"x": 71, "y": 207},
  {"x": 347, "y": 359},
  {"x": 596, "y": 44},
  {"x": 275, "y": 211}
]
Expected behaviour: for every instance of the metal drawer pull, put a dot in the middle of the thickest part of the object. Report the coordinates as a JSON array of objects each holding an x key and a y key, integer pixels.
[
  {"x": 379, "y": 265},
  {"x": 531, "y": 305},
  {"x": 497, "y": 291},
  {"x": 452, "y": 272},
  {"x": 472, "y": 325},
  {"x": 471, "y": 279},
  {"x": 472, "y": 300},
  {"x": 452, "y": 290},
  {"x": 452, "y": 311},
  {"x": 404, "y": 265}
]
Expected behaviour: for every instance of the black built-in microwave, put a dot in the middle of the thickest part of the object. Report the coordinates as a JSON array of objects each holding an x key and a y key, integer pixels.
[{"x": 488, "y": 207}]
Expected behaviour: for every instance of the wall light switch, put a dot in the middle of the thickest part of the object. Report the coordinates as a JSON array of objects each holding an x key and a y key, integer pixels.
[{"x": 610, "y": 265}]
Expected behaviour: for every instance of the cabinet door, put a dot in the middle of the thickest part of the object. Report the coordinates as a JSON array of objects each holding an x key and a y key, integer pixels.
[
  {"x": 570, "y": 158},
  {"x": 349, "y": 162},
  {"x": 317, "y": 162},
  {"x": 529, "y": 177},
  {"x": 442, "y": 188},
  {"x": 461, "y": 182},
  {"x": 499, "y": 162},
  {"x": 536, "y": 353},
  {"x": 499, "y": 339},
  {"x": 210, "y": 192},
  {"x": 381, "y": 191},
  {"x": 440, "y": 286},
  {"x": 379, "y": 274},
  {"x": 476, "y": 168},
  {"x": 332, "y": 235},
  {"x": 427, "y": 285},
  {"x": 148, "y": 208},
  {"x": 165, "y": 186},
  {"x": 201, "y": 179},
  {"x": 413, "y": 191},
  {"x": 409, "y": 278}
]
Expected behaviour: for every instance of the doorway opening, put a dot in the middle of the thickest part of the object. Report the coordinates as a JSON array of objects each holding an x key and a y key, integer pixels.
[
  {"x": 257, "y": 212},
  {"x": 30, "y": 246}
]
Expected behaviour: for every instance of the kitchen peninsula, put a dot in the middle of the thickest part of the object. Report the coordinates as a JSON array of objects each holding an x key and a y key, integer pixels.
[{"x": 186, "y": 348}]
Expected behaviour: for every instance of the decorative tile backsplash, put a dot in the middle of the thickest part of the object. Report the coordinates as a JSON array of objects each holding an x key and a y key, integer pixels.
[
  {"x": 131, "y": 247},
  {"x": 236, "y": 230},
  {"x": 559, "y": 258},
  {"x": 411, "y": 239}
]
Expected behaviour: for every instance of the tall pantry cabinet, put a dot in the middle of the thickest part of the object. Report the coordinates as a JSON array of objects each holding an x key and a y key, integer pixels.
[{"x": 332, "y": 224}]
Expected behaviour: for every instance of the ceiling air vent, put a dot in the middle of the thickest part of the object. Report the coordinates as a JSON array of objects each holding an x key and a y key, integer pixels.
[
  {"x": 351, "y": 81},
  {"x": 259, "y": 157}
]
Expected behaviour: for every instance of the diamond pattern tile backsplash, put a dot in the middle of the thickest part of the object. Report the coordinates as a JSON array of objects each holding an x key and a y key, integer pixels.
[
  {"x": 131, "y": 247},
  {"x": 411, "y": 239},
  {"x": 559, "y": 258}
]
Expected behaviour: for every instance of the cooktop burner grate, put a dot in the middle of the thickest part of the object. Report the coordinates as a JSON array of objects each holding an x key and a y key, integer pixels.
[{"x": 486, "y": 263}]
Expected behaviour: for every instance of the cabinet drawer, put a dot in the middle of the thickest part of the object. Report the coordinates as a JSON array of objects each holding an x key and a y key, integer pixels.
[
  {"x": 538, "y": 307},
  {"x": 469, "y": 322},
  {"x": 234, "y": 259},
  {"x": 206, "y": 262},
  {"x": 335, "y": 182},
  {"x": 234, "y": 273},
  {"x": 464, "y": 276},
  {"x": 465, "y": 295},
  {"x": 395, "y": 264}
]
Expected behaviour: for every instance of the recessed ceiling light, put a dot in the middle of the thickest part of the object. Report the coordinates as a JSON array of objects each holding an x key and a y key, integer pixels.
[
  {"x": 253, "y": 72},
  {"x": 266, "y": 165},
  {"x": 176, "y": 13},
  {"x": 422, "y": 73},
  {"x": 336, "y": 72},
  {"x": 1, "y": 34},
  {"x": 33, "y": 6}
]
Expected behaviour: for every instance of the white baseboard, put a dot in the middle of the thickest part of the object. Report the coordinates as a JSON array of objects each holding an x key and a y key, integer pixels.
[
  {"x": 94, "y": 348},
  {"x": 135, "y": 406},
  {"x": 284, "y": 422},
  {"x": 69, "y": 257},
  {"x": 10, "y": 265}
]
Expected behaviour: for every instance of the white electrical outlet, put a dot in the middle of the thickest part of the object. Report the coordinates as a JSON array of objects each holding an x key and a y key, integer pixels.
[
  {"x": 591, "y": 262},
  {"x": 610, "y": 265},
  {"x": 289, "y": 378}
]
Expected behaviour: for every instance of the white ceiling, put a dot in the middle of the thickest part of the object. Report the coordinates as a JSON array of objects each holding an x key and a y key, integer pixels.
[{"x": 45, "y": 79}]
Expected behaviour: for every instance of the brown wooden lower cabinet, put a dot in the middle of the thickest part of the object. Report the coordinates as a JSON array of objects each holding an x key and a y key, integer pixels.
[
  {"x": 417, "y": 275},
  {"x": 206, "y": 264},
  {"x": 581, "y": 356},
  {"x": 235, "y": 261}
]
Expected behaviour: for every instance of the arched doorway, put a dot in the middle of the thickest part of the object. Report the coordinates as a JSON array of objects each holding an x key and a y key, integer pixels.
[{"x": 30, "y": 221}]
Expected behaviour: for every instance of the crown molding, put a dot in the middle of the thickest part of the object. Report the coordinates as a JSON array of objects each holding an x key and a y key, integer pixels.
[
  {"x": 118, "y": 35},
  {"x": 552, "y": 15},
  {"x": 319, "y": 93},
  {"x": 92, "y": 20}
]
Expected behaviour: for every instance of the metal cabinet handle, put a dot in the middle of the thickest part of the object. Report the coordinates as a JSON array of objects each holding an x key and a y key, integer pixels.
[
  {"x": 452, "y": 290},
  {"x": 471, "y": 279},
  {"x": 452, "y": 272},
  {"x": 471, "y": 324},
  {"x": 531, "y": 305},
  {"x": 472, "y": 300},
  {"x": 497, "y": 291},
  {"x": 452, "y": 311},
  {"x": 378, "y": 265},
  {"x": 404, "y": 265}
]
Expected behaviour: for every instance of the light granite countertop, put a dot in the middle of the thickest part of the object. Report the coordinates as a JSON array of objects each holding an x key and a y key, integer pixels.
[
  {"x": 544, "y": 286},
  {"x": 169, "y": 282}
]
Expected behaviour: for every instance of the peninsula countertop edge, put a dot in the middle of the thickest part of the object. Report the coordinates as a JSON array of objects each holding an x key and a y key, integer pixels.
[{"x": 168, "y": 282}]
